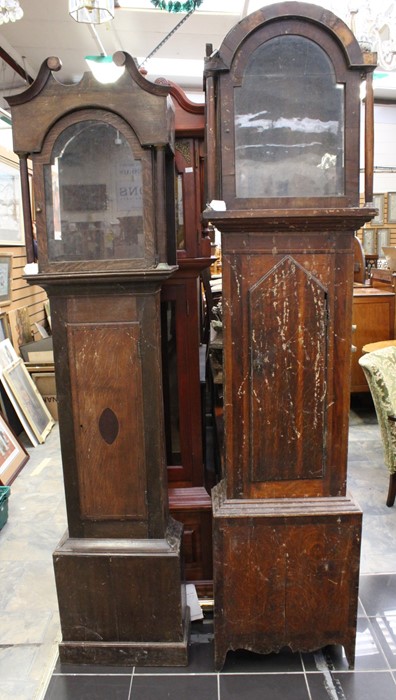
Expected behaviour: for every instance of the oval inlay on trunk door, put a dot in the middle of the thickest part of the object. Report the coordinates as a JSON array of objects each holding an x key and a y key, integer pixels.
[{"x": 108, "y": 426}]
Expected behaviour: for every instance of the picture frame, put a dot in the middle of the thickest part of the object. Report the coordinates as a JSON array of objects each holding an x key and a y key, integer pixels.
[
  {"x": 5, "y": 278},
  {"x": 13, "y": 455},
  {"x": 391, "y": 207},
  {"x": 383, "y": 239},
  {"x": 4, "y": 327},
  {"x": 45, "y": 383},
  {"x": 11, "y": 216},
  {"x": 369, "y": 241},
  {"x": 20, "y": 328},
  {"x": 378, "y": 202},
  {"x": 8, "y": 354},
  {"x": 28, "y": 402}
]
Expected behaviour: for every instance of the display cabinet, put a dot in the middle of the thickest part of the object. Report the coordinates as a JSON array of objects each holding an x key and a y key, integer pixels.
[
  {"x": 103, "y": 175},
  {"x": 283, "y": 155},
  {"x": 373, "y": 317},
  {"x": 184, "y": 353}
]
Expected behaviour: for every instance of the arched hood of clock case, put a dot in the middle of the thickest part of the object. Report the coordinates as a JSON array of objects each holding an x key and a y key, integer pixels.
[{"x": 46, "y": 100}]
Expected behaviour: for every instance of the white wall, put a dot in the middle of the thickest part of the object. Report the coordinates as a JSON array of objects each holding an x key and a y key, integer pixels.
[{"x": 384, "y": 147}]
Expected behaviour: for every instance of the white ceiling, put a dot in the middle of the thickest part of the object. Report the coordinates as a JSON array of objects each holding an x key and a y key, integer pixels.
[{"x": 46, "y": 29}]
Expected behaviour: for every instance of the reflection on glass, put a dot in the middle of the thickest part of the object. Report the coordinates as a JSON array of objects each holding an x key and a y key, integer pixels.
[
  {"x": 170, "y": 378},
  {"x": 93, "y": 192},
  {"x": 289, "y": 122},
  {"x": 179, "y": 213}
]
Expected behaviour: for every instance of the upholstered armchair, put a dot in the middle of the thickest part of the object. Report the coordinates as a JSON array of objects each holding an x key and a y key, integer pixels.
[{"x": 380, "y": 370}]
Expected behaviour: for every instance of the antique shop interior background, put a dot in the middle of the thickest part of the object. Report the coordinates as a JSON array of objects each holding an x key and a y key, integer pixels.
[{"x": 25, "y": 313}]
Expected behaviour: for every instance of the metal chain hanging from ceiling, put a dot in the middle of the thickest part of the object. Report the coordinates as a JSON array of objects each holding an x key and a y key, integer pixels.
[{"x": 166, "y": 5}]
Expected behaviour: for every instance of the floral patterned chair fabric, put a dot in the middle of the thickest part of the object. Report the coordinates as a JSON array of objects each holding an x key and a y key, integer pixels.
[{"x": 380, "y": 370}]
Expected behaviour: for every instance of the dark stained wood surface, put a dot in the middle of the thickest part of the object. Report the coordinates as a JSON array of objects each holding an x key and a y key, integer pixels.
[
  {"x": 154, "y": 206},
  {"x": 288, "y": 315},
  {"x": 189, "y": 162},
  {"x": 369, "y": 139},
  {"x": 120, "y": 601},
  {"x": 189, "y": 498},
  {"x": 189, "y": 115},
  {"x": 91, "y": 375},
  {"x": 193, "y": 508},
  {"x": 283, "y": 11},
  {"x": 108, "y": 381},
  {"x": 291, "y": 556},
  {"x": 46, "y": 101},
  {"x": 328, "y": 259},
  {"x": 298, "y": 573},
  {"x": 119, "y": 568},
  {"x": 224, "y": 71},
  {"x": 182, "y": 289},
  {"x": 286, "y": 536},
  {"x": 295, "y": 220}
]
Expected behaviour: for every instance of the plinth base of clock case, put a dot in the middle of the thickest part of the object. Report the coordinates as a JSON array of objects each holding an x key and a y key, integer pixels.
[
  {"x": 121, "y": 601},
  {"x": 286, "y": 574}
]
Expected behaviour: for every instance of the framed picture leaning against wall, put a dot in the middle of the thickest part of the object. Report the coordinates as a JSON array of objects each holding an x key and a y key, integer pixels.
[
  {"x": 13, "y": 455},
  {"x": 11, "y": 218}
]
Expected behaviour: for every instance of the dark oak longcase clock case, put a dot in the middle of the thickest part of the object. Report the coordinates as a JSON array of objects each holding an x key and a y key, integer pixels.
[
  {"x": 103, "y": 176},
  {"x": 283, "y": 154}
]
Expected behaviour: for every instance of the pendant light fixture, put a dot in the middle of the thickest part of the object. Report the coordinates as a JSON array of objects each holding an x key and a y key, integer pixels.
[
  {"x": 91, "y": 11},
  {"x": 10, "y": 11}
]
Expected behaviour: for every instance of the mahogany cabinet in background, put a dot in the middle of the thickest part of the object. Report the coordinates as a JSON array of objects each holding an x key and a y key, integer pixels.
[
  {"x": 373, "y": 318},
  {"x": 383, "y": 279},
  {"x": 184, "y": 355}
]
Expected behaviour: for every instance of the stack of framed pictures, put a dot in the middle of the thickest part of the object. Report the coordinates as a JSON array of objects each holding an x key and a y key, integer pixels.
[
  {"x": 24, "y": 395},
  {"x": 374, "y": 237},
  {"x": 13, "y": 455}
]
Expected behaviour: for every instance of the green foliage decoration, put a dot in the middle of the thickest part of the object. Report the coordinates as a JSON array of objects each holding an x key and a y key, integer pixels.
[{"x": 176, "y": 6}]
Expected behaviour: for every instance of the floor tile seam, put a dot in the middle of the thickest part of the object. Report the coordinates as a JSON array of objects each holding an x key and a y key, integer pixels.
[
  {"x": 193, "y": 673},
  {"x": 201, "y": 674},
  {"x": 351, "y": 671},
  {"x": 174, "y": 675},
  {"x": 131, "y": 684},
  {"x": 379, "y": 573},
  {"x": 364, "y": 613},
  {"x": 93, "y": 675},
  {"x": 309, "y": 696},
  {"x": 225, "y": 674},
  {"x": 367, "y": 671},
  {"x": 21, "y": 645}
]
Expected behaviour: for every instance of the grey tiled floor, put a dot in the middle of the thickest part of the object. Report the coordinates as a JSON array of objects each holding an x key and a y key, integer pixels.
[
  {"x": 29, "y": 622},
  {"x": 368, "y": 482}
]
